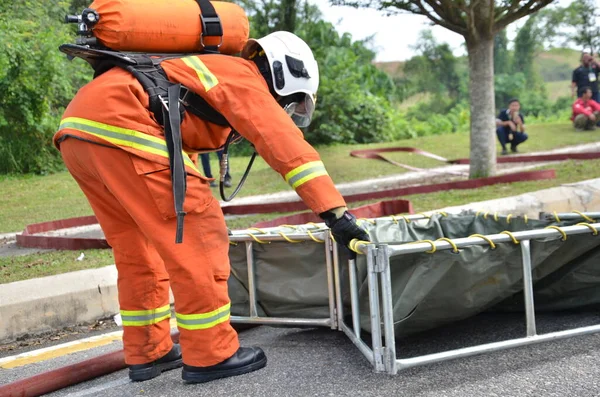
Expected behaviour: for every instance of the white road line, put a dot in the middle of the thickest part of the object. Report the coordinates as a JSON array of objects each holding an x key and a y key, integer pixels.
[{"x": 102, "y": 387}]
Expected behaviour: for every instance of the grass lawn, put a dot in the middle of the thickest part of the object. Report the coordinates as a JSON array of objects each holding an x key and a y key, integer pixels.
[
  {"x": 49, "y": 263},
  {"x": 30, "y": 199},
  {"x": 45, "y": 264},
  {"x": 557, "y": 89}
]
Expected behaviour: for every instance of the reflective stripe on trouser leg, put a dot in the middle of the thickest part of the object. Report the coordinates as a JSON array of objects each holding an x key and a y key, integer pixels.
[
  {"x": 137, "y": 318},
  {"x": 143, "y": 283},
  {"x": 203, "y": 320}
]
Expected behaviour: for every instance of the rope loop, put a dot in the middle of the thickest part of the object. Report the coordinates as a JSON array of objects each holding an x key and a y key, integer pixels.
[
  {"x": 592, "y": 228},
  {"x": 289, "y": 240},
  {"x": 512, "y": 236},
  {"x": 562, "y": 232},
  {"x": 584, "y": 216},
  {"x": 452, "y": 243},
  {"x": 490, "y": 242}
]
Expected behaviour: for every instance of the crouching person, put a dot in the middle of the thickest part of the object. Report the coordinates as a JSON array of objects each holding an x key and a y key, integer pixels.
[
  {"x": 510, "y": 127},
  {"x": 586, "y": 112}
]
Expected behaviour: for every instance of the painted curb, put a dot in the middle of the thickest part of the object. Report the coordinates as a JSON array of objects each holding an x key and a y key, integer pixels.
[{"x": 51, "y": 303}]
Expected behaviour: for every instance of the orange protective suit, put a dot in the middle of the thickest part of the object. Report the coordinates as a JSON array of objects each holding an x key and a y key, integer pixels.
[{"x": 125, "y": 176}]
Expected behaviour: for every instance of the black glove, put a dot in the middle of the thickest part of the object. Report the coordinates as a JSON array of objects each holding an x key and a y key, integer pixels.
[{"x": 344, "y": 226}]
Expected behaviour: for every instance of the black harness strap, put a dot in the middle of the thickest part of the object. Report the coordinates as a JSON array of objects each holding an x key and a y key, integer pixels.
[
  {"x": 174, "y": 148},
  {"x": 211, "y": 25}
]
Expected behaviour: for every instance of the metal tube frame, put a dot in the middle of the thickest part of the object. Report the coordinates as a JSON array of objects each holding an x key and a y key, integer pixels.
[
  {"x": 379, "y": 272},
  {"x": 269, "y": 236}
]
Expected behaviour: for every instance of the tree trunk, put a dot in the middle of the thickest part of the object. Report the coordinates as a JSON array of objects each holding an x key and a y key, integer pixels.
[{"x": 483, "y": 125}]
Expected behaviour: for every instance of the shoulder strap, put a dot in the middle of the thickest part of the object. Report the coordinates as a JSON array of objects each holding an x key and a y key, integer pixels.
[{"x": 211, "y": 25}]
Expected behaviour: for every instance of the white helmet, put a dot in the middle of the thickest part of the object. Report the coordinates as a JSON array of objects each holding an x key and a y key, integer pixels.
[{"x": 294, "y": 72}]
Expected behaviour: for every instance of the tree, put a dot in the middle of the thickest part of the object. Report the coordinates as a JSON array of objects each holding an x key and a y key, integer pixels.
[
  {"x": 434, "y": 68},
  {"x": 583, "y": 15},
  {"x": 525, "y": 48},
  {"x": 478, "y": 21},
  {"x": 501, "y": 54}
]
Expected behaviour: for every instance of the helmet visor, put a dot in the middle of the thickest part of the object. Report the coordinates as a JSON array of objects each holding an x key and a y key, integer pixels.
[{"x": 301, "y": 112}]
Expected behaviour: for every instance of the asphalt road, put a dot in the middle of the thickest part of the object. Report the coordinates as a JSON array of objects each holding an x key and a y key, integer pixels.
[{"x": 321, "y": 362}]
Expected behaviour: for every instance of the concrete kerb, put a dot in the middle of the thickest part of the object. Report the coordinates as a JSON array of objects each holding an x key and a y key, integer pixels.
[{"x": 51, "y": 303}]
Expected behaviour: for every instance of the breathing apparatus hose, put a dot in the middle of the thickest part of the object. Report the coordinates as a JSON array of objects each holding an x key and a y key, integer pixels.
[{"x": 223, "y": 168}]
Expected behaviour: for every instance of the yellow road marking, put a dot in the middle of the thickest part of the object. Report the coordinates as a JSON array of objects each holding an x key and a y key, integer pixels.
[{"x": 64, "y": 349}]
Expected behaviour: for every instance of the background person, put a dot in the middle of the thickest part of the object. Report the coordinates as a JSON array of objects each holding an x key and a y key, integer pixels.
[
  {"x": 205, "y": 158},
  {"x": 511, "y": 126},
  {"x": 586, "y": 112},
  {"x": 586, "y": 76}
]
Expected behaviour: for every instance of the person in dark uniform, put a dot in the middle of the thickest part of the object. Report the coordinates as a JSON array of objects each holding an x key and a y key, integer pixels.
[
  {"x": 585, "y": 76},
  {"x": 511, "y": 126}
]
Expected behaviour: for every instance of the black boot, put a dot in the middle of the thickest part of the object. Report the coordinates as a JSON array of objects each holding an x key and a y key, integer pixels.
[
  {"x": 171, "y": 360},
  {"x": 246, "y": 359}
]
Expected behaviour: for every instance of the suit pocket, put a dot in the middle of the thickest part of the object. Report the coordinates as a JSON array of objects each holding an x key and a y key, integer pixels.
[{"x": 157, "y": 178}]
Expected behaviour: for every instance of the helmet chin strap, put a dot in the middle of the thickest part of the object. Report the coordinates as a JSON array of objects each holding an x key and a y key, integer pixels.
[{"x": 263, "y": 67}]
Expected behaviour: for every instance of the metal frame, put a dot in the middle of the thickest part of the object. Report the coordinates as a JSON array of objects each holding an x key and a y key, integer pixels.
[
  {"x": 270, "y": 235},
  {"x": 383, "y": 356}
]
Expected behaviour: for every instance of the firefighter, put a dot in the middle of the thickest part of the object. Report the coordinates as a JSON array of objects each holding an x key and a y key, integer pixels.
[{"x": 115, "y": 150}]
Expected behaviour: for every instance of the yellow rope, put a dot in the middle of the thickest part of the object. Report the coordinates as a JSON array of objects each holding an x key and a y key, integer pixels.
[
  {"x": 486, "y": 214},
  {"x": 426, "y": 216},
  {"x": 525, "y": 218},
  {"x": 257, "y": 229},
  {"x": 508, "y": 218},
  {"x": 443, "y": 213},
  {"x": 314, "y": 238},
  {"x": 512, "y": 236},
  {"x": 564, "y": 235},
  {"x": 289, "y": 240},
  {"x": 584, "y": 216},
  {"x": 405, "y": 218},
  {"x": 332, "y": 238},
  {"x": 354, "y": 245},
  {"x": 490, "y": 242},
  {"x": 454, "y": 247},
  {"x": 313, "y": 225},
  {"x": 289, "y": 226},
  {"x": 367, "y": 220},
  {"x": 592, "y": 228},
  {"x": 477, "y": 213},
  {"x": 496, "y": 216},
  {"x": 556, "y": 216},
  {"x": 258, "y": 240},
  {"x": 233, "y": 243},
  {"x": 394, "y": 219}
]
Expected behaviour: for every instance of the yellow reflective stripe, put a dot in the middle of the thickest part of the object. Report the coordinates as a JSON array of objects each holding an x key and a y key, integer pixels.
[
  {"x": 144, "y": 312},
  {"x": 138, "y": 323},
  {"x": 208, "y": 79},
  {"x": 203, "y": 320},
  {"x": 123, "y": 137},
  {"x": 145, "y": 317},
  {"x": 306, "y": 172}
]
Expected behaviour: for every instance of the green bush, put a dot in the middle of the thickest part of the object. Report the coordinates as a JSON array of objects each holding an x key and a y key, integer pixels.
[{"x": 36, "y": 82}]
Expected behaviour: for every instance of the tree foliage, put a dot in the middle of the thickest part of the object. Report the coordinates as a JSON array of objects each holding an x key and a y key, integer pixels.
[
  {"x": 36, "y": 83},
  {"x": 354, "y": 96},
  {"x": 502, "y": 60}
]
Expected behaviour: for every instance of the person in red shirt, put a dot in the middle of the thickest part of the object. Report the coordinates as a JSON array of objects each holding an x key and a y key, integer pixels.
[{"x": 586, "y": 112}]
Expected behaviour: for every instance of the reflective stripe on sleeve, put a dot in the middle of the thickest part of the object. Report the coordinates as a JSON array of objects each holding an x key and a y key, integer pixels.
[
  {"x": 123, "y": 137},
  {"x": 305, "y": 173},
  {"x": 137, "y": 318},
  {"x": 208, "y": 79},
  {"x": 203, "y": 320}
]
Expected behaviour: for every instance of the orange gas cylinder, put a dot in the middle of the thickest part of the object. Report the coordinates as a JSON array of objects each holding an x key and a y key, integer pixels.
[{"x": 165, "y": 26}]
